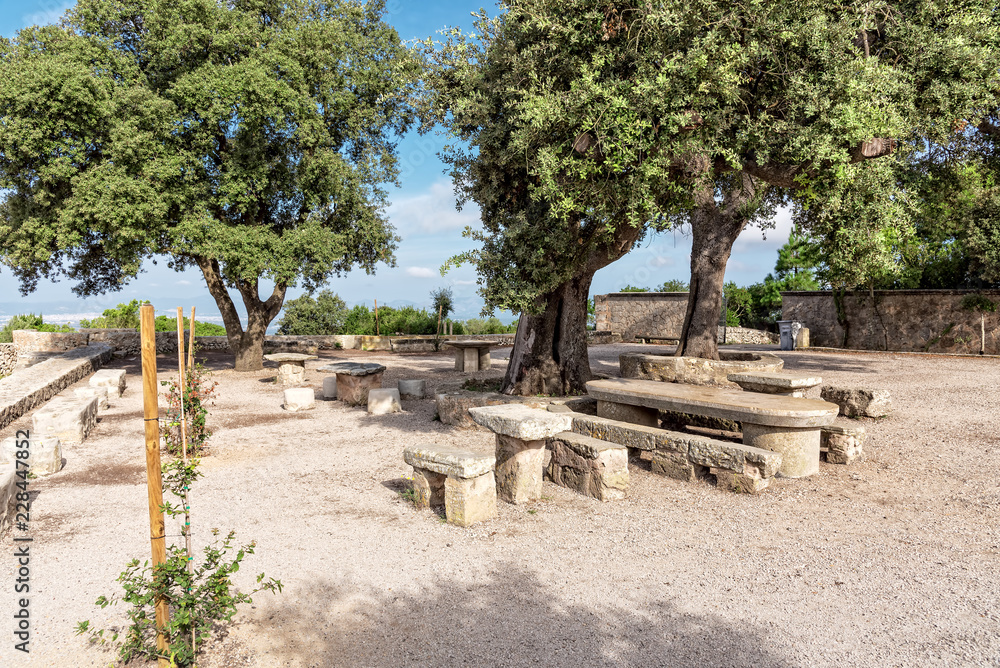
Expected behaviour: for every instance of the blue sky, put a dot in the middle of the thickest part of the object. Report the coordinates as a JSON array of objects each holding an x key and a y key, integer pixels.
[{"x": 422, "y": 210}]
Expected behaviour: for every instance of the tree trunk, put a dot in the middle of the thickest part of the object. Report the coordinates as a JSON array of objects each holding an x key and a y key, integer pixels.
[
  {"x": 714, "y": 230},
  {"x": 550, "y": 348},
  {"x": 246, "y": 344}
]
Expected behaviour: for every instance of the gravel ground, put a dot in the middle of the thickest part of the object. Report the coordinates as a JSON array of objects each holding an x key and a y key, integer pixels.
[{"x": 889, "y": 562}]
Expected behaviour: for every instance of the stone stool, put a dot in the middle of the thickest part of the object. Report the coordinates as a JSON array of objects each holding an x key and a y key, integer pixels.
[
  {"x": 355, "y": 380},
  {"x": 330, "y": 387},
  {"x": 100, "y": 392},
  {"x": 586, "y": 465},
  {"x": 383, "y": 402},
  {"x": 291, "y": 367},
  {"x": 67, "y": 418},
  {"x": 412, "y": 389},
  {"x": 842, "y": 444},
  {"x": 775, "y": 382},
  {"x": 462, "y": 480},
  {"x": 44, "y": 454},
  {"x": 114, "y": 379},
  {"x": 520, "y": 433},
  {"x": 299, "y": 399}
]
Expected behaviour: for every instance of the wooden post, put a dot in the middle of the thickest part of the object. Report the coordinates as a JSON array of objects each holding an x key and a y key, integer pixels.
[
  {"x": 190, "y": 364},
  {"x": 376, "y": 319},
  {"x": 154, "y": 473}
]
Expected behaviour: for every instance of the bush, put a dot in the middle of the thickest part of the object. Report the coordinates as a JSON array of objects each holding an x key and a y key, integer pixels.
[
  {"x": 674, "y": 285},
  {"x": 123, "y": 316},
  {"x": 491, "y": 325},
  {"x": 632, "y": 288},
  {"x": 29, "y": 321},
  {"x": 309, "y": 316},
  {"x": 359, "y": 320},
  {"x": 166, "y": 324}
]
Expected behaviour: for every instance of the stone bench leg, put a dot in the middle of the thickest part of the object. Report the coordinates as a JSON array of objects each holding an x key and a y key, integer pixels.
[
  {"x": 485, "y": 361},
  {"x": 519, "y": 469},
  {"x": 602, "y": 475},
  {"x": 647, "y": 417},
  {"x": 842, "y": 445},
  {"x": 68, "y": 420},
  {"x": 470, "y": 500},
  {"x": 799, "y": 447},
  {"x": 290, "y": 375},
  {"x": 428, "y": 488}
]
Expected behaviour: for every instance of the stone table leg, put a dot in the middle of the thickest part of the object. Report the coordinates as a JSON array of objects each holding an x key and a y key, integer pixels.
[
  {"x": 471, "y": 360},
  {"x": 485, "y": 361},
  {"x": 519, "y": 469},
  {"x": 291, "y": 374},
  {"x": 459, "y": 359},
  {"x": 799, "y": 447},
  {"x": 647, "y": 417},
  {"x": 353, "y": 390}
]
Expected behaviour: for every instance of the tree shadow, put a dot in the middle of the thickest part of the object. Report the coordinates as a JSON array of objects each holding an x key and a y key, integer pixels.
[{"x": 508, "y": 618}]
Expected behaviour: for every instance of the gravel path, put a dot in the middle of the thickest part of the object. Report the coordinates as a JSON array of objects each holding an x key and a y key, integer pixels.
[{"x": 889, "y": 562}]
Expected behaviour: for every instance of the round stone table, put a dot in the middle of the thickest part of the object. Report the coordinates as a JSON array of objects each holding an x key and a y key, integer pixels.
[
  {"x": 472, "y": 356},
  {"x": 291, "y": 367},
  {"x": 355, "y": 379}
]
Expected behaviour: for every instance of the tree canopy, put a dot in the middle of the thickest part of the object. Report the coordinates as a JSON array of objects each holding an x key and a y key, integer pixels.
[{"x": 249, "y": 138}]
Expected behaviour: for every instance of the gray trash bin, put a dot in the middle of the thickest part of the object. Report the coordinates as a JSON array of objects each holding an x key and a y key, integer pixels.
[{"x": 789, "y": 332}]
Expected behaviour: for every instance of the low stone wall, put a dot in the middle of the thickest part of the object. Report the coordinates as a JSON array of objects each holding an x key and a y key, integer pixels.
[
  {"x": 25, "y": 389},
  {"x": 33, "y": 341},
  {"x": 744, "y": 336},
  {"x": 641, "y": 315},
  {"x": 904, "y": 320},
  {"x": 8, "y": 359}
]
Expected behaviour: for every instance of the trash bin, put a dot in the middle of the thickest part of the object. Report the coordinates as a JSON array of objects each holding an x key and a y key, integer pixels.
[{"x": 788, "y": 331}]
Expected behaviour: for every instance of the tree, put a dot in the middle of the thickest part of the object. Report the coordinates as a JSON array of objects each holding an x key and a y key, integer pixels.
[
  {"x": 314, "y": 316},
  {"x": 591, "y": 123},
  {"x": 443, "y": 302},
  {"x": 673, "y": 285},
  {"x": 248, "y": 138}
]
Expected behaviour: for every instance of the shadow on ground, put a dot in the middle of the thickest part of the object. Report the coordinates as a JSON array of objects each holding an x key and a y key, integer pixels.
[{"x": 508, "y": 619}]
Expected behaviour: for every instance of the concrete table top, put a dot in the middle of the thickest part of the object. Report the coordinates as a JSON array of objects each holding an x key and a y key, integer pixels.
[
  {"x": 472, "y": 344},
  {"x": 290, "y": 358},
  {"x": 353, "y": 368},
  {"x": 764, "y": 409}
]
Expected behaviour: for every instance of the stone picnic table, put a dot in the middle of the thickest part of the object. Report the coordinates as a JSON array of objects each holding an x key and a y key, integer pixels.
[
  {"x": 787, "y": 425},
  {"x": 291, "y": 367},
  {"x": 355, "y": 379},
  {"x": 472, "y": 356}
]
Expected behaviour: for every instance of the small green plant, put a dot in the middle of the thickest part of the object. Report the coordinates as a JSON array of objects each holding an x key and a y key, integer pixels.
[
  {"x": 408, "y": 493},
  {"x": 197, "y": 394}
]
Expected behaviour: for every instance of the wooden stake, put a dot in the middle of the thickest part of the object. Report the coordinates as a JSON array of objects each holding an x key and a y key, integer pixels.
[
  {"x": 376, "y": 319},
  {"x": 154, "y": 473},
  {"x": 190, "y": 364}
]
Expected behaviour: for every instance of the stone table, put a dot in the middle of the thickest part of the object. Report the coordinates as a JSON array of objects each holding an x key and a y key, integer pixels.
[
  {"x": 775, "y": 382},
  {"x": 355, "y": 379},
  {"x": 291, "y": 367},
  {"x": 472, "y": 356}
]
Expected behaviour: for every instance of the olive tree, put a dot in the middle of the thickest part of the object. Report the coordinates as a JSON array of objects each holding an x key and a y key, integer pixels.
[{"x": 250, "y": 139}]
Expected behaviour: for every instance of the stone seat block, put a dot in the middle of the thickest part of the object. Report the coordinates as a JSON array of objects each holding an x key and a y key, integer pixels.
[
  {"x": 842, "y": 444},
  {"x": 383, "y": 401},
  {"x": 44, "y": 454},
  {"x": 412, "y": 389},
  {"x": 100, "y": 392},
  {"x": 67, "y": 418},
  {"x": 460, "y": 479},
  {"x": 521, "y": 422},
  {"x": 775, "y": 382},
  {"x": 449, "y": 461},
  {"x": 114, "y": 379},
  {"x": 330, "y": 387},
  {"x": 299, "y": 399},
  {"x": 859, "y": 402},
  {"x": 591, "y": 467}
]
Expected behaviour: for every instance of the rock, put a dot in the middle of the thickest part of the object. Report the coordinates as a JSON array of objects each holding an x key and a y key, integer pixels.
[
  {"x": 448, "y": 460},
  {"x": 519, "y": 469},
  {"x": 114, "y": 379},
  {"x": 428, "y": 488},
  {"x": 383, "y": 402},
  {"x": 672, "y": 465},
  {"x": 412, "y": 389},
  {"x": 559, "y": 408},
  {"x": 299, "y": 399},
  {"x": 44, "y": 454},
  {"x": 468, "y": 501},
  {"x": 100, "y": 392},
  {"x": 591, "y": 467},
  {"x": 859, "y": 402},
  {"x": 330, "y": 387},
  {"x": 521, "y": 422},
  {"x": 67, "y": 418},
  {"x": 740, "y": 483},
  {"x": 842, "y": 444}
]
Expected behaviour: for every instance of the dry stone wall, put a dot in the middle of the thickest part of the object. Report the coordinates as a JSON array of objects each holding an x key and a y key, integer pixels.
[
  {"x": 8, "y": 358},
  {"x": 904, "y": 320},
  {"x": 641, "y": 315}
]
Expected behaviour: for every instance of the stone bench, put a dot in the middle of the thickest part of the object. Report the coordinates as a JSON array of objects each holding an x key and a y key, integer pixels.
[
  {"x": 355, "y": 380},
  {"x": 521, "y": 434},
  {"x": 589, "y": 466},
  {"x": 44, "y": 454},
  {"x": 472, "y": 356},
  {"x": 687, "y": 457},
  {"x": 776, "y": 382},
  {"x": 787, "y": 425},
  {"x": 461, "y": 480},
  {"x": 102, "y": 394},
  {"x": 113, "y": 379},
  {"x": 67, "y": 418}
]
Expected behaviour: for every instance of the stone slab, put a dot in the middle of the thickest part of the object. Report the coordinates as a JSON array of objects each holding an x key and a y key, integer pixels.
[
  {"x": 110, "y": 378},
  {"x": 859, "y": 402},
  {"x": 100, "y": 392},
  {"x": 448, "y": 460},
  {"x": 44, "y": 454},
  {"x": 383, "y": 401},
  {"x": 67, "y": 418},
  {"x": 777, "y": 382},
  {"x": 353, "y": 368},
  {"x": 299, "y": 399},
  {"x": 521, "y": 422},
  {"x": 762, "y": 409},
  {"x": 297, "y": 359},
  {"x": 471, "y": 344}
]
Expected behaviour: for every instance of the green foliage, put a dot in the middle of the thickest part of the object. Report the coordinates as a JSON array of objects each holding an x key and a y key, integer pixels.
[
  {"x": 632, "y": 288},
  {"x": 167, "y": 324},
  {"x": 978, "y": 303},
  {"x": 29, "y": 321},
  {"x": 359, "y": 320},
  {"x": 443, "y": 300},
  {"x": 323, "y": 314},
  {"x": 491, "y": 325},
  {"x": 673, "y": 285},
  {"x": 405, "y": 320},
  {"x": 198, "y": 392},
  {"x": 123, "y": 316},
  {"x": 250, "y": 139},
  {"x": 739, "y": 304}
]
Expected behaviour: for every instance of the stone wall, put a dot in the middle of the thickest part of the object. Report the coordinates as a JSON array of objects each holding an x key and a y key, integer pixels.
[
  {"x": 906, "y": 320},
  {"x": 33, "y": 341},
  {"x": 8, "y": 358},
  {"x": 641, "y": 315}
]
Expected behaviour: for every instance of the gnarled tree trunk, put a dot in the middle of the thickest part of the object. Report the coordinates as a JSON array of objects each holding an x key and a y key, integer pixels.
[{"x": 247, "y": 344}]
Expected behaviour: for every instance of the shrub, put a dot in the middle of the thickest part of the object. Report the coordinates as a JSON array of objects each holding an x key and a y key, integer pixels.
[
  {"x": 29, "y": 321},
  {"x": 314, "y": 316},
  {"x": 197, "y": 394},
  {"x": 491, "y": 325},
  {"x": 123, "y": 316},
  {"x": 168, "y": 324},
  {"x": 674, "y": 285}
]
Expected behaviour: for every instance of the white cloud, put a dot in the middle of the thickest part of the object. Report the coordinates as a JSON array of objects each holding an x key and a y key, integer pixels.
[
  {"x": 464, "y": 282},
  {"x": 183, "y": 282},
  {"x": 47, "y": 16},
  {"x": 431, "y": 212},
  {"x": 421, "y": 272}
]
